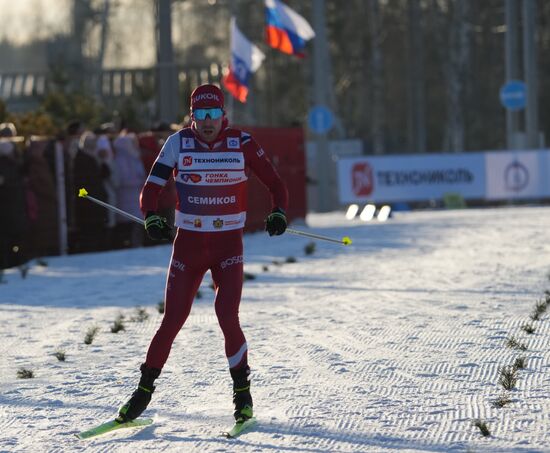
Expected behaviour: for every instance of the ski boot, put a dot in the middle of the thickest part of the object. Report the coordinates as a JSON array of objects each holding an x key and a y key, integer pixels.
[
  {"x": 141, "y": 396},
  {"x": 241, "y": 394}
]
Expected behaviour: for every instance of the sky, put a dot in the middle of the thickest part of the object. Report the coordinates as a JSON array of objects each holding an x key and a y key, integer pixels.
[
  {"x": 25, "y": 20},
  {"x": 22, "y": 20},
  {"x": 131, "y": 41}
]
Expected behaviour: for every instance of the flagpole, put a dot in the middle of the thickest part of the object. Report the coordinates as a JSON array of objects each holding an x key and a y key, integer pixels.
[
  {"x": 320, "y": 90},
  {"x": 270, "y": 89},
  {"x": 269, "y": 68},
  {"x": 231, "y": 115}
]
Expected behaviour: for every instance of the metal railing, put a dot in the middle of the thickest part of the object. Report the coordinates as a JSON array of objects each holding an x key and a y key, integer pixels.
[{"x": 107, "y": 84}]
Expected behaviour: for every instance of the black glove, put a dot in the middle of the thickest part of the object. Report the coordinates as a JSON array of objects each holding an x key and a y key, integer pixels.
[
  {"x": 275, "y": 223},
  {"x": 156, "y": 227}
]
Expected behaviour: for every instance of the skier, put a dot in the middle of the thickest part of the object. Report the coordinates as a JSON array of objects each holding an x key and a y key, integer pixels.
[{"x": 209, "y": 162}]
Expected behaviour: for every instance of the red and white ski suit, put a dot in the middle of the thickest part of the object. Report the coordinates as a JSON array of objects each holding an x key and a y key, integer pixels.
[{"x": 211, "y": 183}]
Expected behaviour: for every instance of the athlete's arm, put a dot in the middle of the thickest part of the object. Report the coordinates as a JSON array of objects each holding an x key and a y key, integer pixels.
[
  {"x": 262, "y": 167},
  {"x": 160, "y": 173}
]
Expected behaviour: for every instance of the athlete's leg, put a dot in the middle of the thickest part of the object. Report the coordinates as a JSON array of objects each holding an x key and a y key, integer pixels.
[
  {"x": 228, "y": 279},
  {"x": 227, "y": 273},
  {"x": 182, "y": 284}
]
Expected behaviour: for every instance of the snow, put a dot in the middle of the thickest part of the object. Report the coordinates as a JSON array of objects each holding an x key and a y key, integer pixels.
[{"x": 393, "y": 343}]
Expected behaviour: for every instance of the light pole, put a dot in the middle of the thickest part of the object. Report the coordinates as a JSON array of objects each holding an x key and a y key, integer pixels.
[
  {"x": 320, "y": 90},
  {"x": 530, "y": 71},
  {"x": 512, "y": 73},
  {"x": 167, "y": 77}
]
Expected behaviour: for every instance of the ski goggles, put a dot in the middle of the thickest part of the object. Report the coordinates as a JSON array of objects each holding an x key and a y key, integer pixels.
[
  {"x": 193, "y": 177},
  {"x": 214, "y": 113}
]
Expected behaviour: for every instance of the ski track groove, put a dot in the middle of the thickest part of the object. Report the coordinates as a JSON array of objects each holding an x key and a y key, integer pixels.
[
  {"x": 399, "y": 374},
  {"x": 481, "y": 370}
]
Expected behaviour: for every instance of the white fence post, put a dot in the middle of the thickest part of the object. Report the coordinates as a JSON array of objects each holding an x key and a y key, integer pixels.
[{"x": 61, "y": 200}]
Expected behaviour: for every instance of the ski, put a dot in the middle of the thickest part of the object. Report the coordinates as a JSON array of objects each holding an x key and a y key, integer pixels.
[
  {"x": 239, "y": 428},
  {"x": 112, "y": 426}
]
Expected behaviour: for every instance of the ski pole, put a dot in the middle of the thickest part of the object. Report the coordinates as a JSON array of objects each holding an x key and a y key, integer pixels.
[
  {"x": 345, "y": 240},
  {"x": 83, "y": 193}
]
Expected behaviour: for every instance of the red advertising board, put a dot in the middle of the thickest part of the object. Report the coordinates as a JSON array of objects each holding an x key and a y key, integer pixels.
[{"x": 286, "y": 150}]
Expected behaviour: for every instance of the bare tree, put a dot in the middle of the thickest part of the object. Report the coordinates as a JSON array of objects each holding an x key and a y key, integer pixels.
[
  {"x": 416, "y": 121},
  {"x": 458, "y": 57},
  {"x": 377, "y": 64},
  {"x": 104, "y": 34}
]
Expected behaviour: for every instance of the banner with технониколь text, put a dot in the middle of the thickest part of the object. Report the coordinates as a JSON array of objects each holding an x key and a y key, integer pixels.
[{"x": 496, "y": 175}]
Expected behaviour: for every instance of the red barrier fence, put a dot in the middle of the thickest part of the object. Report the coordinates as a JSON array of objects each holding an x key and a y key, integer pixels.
[{"x": 285, "y": 148}]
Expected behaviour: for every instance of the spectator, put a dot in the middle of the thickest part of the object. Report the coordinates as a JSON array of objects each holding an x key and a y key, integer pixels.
[
  {"x": 105, "y": 156},
  {"x": 71, "y": 139},
  {"x": 7, "y": 130},
  {"x": 12, "y": 199},
  {"x": 131, "y": 176},
  {"x": 43, "y": 235},
  {"x": 151, "y": 144},
  {"x": 90, "y": 218}
]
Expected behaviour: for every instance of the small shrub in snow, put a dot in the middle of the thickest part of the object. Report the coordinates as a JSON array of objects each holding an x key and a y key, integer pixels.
[
  {"x": 483, "y": 428},
  {"x": 118, "y": 324},
  {"x": 508, "y": 377},
  {"x": 520, "y": 363},
  {"x": 24, "y": 270},
  {"x": 60, "y": 355},
  {"x": 528, "y": 328},
  {"x": 141, "y": 315},
  {"x": 160, "y": 307},
  {"x": 199, "y": 294},
  {"x": 540, "y": 308},
  {"x": 265, "y": 268},
  {"x": 501, "y": 401},
  {"x": 25, "y": 373},
  {"x": 542, "y": 305},
  {"x": 291, "y": 259},
  {"x": 90, "y": 334},
  {"x": 248, "y": 276},
  {"x": 309, "y": 248},
  {"x": 515, "y": 344}
]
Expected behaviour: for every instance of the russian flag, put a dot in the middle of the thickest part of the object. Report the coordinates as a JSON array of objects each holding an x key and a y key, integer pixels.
[
  {"x": 246, "y": 58},
  {"x": 286, "y": 30}
]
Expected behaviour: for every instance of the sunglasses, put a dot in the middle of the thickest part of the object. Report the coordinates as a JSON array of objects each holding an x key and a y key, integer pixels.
[
  {"x": 193, "y": 177},
  {"x": 213, "y": 113}
]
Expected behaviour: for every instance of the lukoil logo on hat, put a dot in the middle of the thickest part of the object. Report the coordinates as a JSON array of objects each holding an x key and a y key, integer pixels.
[{"x": 207, "y": 96}]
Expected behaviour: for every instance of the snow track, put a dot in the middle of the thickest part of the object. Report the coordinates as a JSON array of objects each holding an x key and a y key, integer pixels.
[{"x": 393, "y": 343}]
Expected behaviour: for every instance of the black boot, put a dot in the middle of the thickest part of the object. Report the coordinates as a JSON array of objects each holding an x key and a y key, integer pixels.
[
  {"x": 141, "y": 396},
  {"x": 241, "y": 394}
]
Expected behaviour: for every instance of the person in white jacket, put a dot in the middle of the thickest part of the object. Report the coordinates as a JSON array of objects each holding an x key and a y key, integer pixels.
[
  {"x": 130, "y": 179},
  {"x": 106, "y": 159}
]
